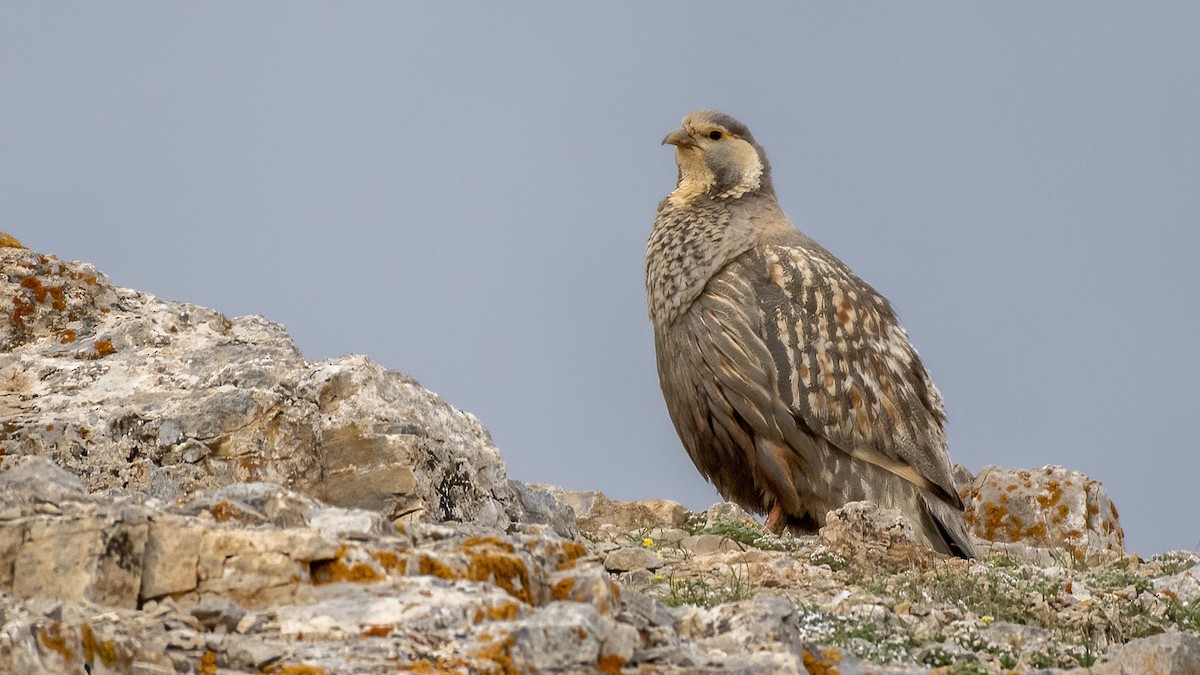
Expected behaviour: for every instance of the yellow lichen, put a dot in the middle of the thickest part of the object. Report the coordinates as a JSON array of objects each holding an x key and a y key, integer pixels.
[{"x": 108, "y": 653}]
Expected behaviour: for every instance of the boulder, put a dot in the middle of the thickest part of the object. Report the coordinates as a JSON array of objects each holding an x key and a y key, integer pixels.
[{"x": 1050, "y": 507}]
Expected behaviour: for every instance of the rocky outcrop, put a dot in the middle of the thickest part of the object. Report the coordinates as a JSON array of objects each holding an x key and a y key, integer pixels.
[
  {"x": 163, "y": 399},
  {"x": 1050, "y": 507},
  {"x": 183, "y": 492},
  {"x": 255, "y": 577},
  {"x": 253, "y": 574}
]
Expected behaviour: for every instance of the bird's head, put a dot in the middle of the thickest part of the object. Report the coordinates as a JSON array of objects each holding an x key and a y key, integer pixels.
[{"x": 717, "y": 157}]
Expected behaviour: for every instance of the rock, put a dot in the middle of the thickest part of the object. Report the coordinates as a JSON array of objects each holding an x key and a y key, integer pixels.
[
  {"x": 83, "y": 554},
  {"x": 38, "y": 479},
  {"x": 1184, "y": 586},
  {"x": 172, "y": 556},
  {"x": 882, "y": 538},
  {"x": 1049, "y": 507},
  {"x": 214, "y": 613},
  {"x": 643, "y": 612},
  {"x": 9, "y": 241},
  {"x": 647, "y": 514},
  {"x": 763, "y": 624},
  {"x": 1165, "y": 654},
  {"x": 710, "y": 543},
  {"x": 727, "y": 512},
  {"x": 627, "y": 559},
  {"x": 668, "y": 535},
  {"x": 539, "y": 506},
  {"x": 166, "y": 399},
  {"x": 253, "y": 655},
  {"x": 579, "y": 502},
  {"x": 562, "y": 636}
]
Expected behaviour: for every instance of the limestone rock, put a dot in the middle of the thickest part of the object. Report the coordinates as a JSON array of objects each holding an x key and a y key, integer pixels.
[
  {"x": 1049, "y": 507},
  {"x": 164, "y": 399},
  {"x": 1183, "y": 587},
  {"x": 62, "y": 543},
  {"x": 646, "y": 514},
  {"x": 536, "y": 505},
  {"x": 626, "y": 559},
  {"x": 881, "y": 537},
  {"x": 1165, "y": 654},
  {"x": 710, "y": 543}
]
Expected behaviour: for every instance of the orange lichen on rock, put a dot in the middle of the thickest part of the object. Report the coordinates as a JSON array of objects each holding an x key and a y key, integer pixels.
[
  {"x": 475, "y": 542},
  {"x": 340, "y": 570},
  {"x": 503, "y": 568},
  {"x": 225, "y": 511},
  {"x": 298, "y": 669},
  {"x": 432, "y": 566},
  {"x": 98, "y": 350},
  {"x": 505, "y": 611},
  {"x": 390, "y": 561},
  {"x": 1049, "y": 508},
  {"x": 67, "y": 336},
  {"x": 54, "y": 638},
  {"x": 498, "y": 652},
  {"x": 89, "y": 643},
  {"x": 610, "y": 664},
  {"x": 824, "y": 663},
  {"x": 569, "y": 553},
  {"x": 22, "y": 310},
  {"x": 9, "y": 241},
  {"x": 562, "y": 589}
]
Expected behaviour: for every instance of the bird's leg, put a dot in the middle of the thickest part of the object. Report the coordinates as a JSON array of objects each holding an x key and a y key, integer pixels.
[{"x": 776, "y": 520}]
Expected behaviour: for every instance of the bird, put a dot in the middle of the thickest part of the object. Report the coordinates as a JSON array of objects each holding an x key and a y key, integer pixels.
[{"x": 790, "y": 380}]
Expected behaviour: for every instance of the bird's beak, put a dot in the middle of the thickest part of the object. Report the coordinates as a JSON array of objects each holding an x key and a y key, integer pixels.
[{"x": 678, "y": 137}]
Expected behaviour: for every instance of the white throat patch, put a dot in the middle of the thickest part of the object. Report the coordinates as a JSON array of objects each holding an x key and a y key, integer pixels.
[{"x": 752, "y": 171}]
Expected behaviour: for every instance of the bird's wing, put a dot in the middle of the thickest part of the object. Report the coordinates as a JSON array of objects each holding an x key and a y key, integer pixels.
[
  {"x": 844, "y": 366},
  {"x": 718, "y": 380}
]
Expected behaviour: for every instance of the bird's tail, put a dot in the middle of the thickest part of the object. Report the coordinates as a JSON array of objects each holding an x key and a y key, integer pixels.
[{"x": 947, "y": 528}]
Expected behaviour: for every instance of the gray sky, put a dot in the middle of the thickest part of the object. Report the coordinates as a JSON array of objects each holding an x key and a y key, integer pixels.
[{"x": 463, "y": 193}]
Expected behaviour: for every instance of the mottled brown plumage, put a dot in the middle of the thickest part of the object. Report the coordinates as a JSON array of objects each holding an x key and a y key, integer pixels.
[{"x": 790, "y": 380}]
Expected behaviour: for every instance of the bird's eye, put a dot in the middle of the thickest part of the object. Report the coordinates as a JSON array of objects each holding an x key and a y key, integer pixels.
[{"x": 715, "y": 135}]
